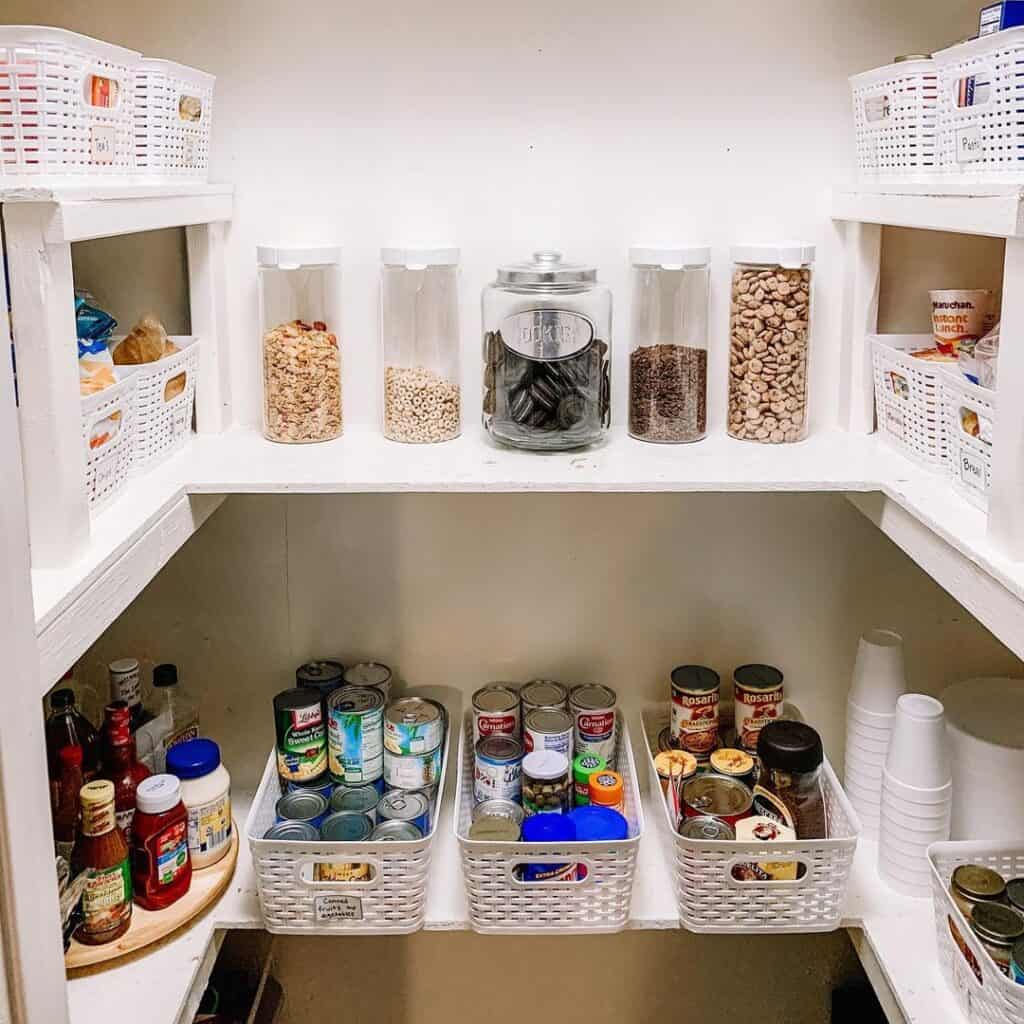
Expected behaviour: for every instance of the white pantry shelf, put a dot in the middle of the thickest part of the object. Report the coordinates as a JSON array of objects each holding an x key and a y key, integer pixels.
[{"x": 970, "y": 208}]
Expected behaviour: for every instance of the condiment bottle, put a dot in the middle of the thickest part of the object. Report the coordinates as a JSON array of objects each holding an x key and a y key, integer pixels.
[
  {"x": 171, "y": 718},
  {"x": 161, "y": 866},
  {"x": 66, "y": 813},
  {"x": 206, "y": 794},
  {"x": 791, "y": 757},
  {"x": 101, "y": 850},
  {"x": 607, "y": 790},
  {"x": 119, "y": 763},
  {"x": 66, "y": 726}
]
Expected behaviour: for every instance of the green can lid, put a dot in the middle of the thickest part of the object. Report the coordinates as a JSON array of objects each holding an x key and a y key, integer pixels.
[{"x": 584, "y": 765}]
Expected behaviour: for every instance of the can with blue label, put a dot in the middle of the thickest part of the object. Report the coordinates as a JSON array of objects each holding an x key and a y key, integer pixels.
[
  {"x": 322, "y": 786},
  {"x": 310, "y": 808},
  {"x": 412, "y": 771},
  {"x": 362, "y": 799},
  {"x": 355, "y": 735},
  {"x": 413, "y": 725},
  {"x": 401, "y": 805}
]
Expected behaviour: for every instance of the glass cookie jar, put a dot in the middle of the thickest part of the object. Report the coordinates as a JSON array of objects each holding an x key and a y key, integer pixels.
[
  {"x": 769, "y": 334},
  {"x": 547, "y": 329}
]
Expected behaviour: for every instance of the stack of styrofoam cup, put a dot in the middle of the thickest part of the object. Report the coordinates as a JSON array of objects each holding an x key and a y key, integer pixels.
[
  {"x": 878, "y": 682},
  {"x": 917, "y": 794}
]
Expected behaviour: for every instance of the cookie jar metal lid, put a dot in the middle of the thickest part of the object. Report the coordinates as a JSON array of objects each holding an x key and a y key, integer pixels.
[
  {"x": 547, "y": 267},
  {"x": 418, "y": 258},
  {"x": 791, "y": 255},
  {"x": 288, "y": 257},
  {"x": 670, "y": 257}
]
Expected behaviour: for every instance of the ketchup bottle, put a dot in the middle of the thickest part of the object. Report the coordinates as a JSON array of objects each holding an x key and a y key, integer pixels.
[
  {"x": 119, "y": 763},
  {"x": 161, "y": 866}
]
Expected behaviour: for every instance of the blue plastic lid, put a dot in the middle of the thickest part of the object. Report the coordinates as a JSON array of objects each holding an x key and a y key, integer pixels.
[
  {"x": 596, "y": 824},
  {"x": 193, "y": 758},
  {"x": 548, "y": 828}
]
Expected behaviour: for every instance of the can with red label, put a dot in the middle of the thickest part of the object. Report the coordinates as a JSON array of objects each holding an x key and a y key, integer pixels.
[
  {"x": 758, "y": 696},
  {"x": 716, "y": 796},
  {"x": 496, "y": 712},
  {"x": 593, "y": 710},
  {"x": 695, "y": 695}
]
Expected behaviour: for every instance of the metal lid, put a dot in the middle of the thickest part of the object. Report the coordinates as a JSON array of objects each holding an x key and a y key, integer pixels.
[
  {"x": 355, "y": 699},
  {"x": 493, "y": 828},
  {"x": 758, "y": 677},
  {"x": 396, "y": 832},
  {"x": 544, "y": 693},
  {"x": 978, "y": 882},
  {"x": 672, "y": 257},
  {"x": 294, "y": 831},
  {"x": 291, "y": 257},
  {"x": 717, "y": 795},
  {"x": 698, "y": 678},
  {"x": 547, "y": 268},
  {"x": 790, "y": 255},
  {"x": 301, "y": 805},
  {"x": 403, "y": 806},
  {"x": 355, "y": 798},
  {"x": 548, "y": 720},
  {"x": 496, "y": 697},
  {"x": 499, "y": 809},
  {"x": 500, "y": 748},
  {"x": 729, "y": 761},
  {"x": 545, "y": 764},
  {"x": 674, "y": 764},
  {"x": 346, "y": 827},
  {"x": 412, "y": 711},
  {"x": 320, "y": 674},
  {"x": 706, "y": 828},
  {"x": 419, "y": 259},
  {"x": 997, "y": 923},
  {"x": 367, "y": 673},
  {"x": 1015, "y": 893},
  {"x": 592, "y": 697}
]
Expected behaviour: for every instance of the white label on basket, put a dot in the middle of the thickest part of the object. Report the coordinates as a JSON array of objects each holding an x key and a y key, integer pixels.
[
  {"x": 106, "y": 470},
  {"x": 972, "y": 470},
  {"x": 102, "y": 141},
  {"x": 893, "y": 422},
  {"x": 968, "y": 144},
  {"x": 188, "y": 152},
  {"x": 338, "y": 908},
  {"x": 179, "y": 420},
  {"x": 877, "y": 108}
]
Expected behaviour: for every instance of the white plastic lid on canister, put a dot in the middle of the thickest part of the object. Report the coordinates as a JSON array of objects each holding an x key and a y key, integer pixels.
[
  {"x": 545, "y": 764},
  {"x": 418, "y": 259},
  {"x": 791, "y": 255},
  {"x": 157, "y": 794},
  {"x": 670, "y": 257},
  {"x": 290, "y": 257}
]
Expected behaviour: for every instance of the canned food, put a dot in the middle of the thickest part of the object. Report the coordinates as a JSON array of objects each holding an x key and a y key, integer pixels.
[
  {"x": 717, "y": 796},
  {"x": 1015, "y": 893},
  {"x": 499, "y": 809},
  {"x": 498, "y": 769},
  {"x": 674, "y": 766},
  {"x": 412, "y": 771},
  {"x": 695, "y": 697},
  {"x": 308, "y": 807},
  {"x": 549, "y": 828},
  {"x": 396, "y": 832},
  {"x": 301, "y": 738},
  {"x": 544, "y": 693},
  {"x": 548, "y": 729},
  {"x": 430, "y": 792},
  {"x": 706, "y": 827},
  {"x": 340, "y": 872},
  {"x": 399, "y": 805},
  {"x": 413, "y": 725},
  {"x": 355, "y": 732},
  {"x": 496, "y": 712},
  {"x": 593, "y": 710},
  {"x": 293, "y": 832},
  {"x": 372, "y": 674},
  {"x": 546, "y": 783},
  {"x": 999, "y": 928},
  {"x": 361, "y": 799},
  {"x": 323, "y": 676},
  {"x": 344, "y": 827},
  {"x": 736, "y": 764},
  {"x": 971, "y": 884},
  {"x": 322, "y": 785},
  {"x": 1017, "y": 962},
  {"x": 665, "y": 739},
  {"x": 583, "y": 767},
  {"x": 607, "y": 790},
  {"x": 493, "y": 829},
  {"x": 757, "y": 700}
]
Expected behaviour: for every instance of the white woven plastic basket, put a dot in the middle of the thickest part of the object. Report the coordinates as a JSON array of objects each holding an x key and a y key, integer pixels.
[
  {"x": 968, "y": 407},
  {"x": 711, "y": 900},
  {"x": 895, "y": 116},
  {"x": 501, "y": 903},
  {"x": 173, "y": 120},
  {"x": 163, "y": 426},
  {"x": 981, "y": 108},
  {"x": 54, "y": 85},
  {"x": 908, "y": 398},
  {"x": 392, "y": 900},
  {"x": 983, "y": 992},
  {"x": 108, "y": 425}
]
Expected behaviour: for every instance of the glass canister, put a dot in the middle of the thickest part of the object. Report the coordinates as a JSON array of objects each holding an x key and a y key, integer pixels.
[
  {"x": 547, "y": 330},
  {"x": 300, "y": 314},
  {"x": 769, "y": 331},
  {"x": 668, "y": 359},
  {"x": 420, "y": 344}
]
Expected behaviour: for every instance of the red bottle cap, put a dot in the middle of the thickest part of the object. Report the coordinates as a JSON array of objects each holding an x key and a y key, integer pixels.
[{"x": 71, "y": 756}]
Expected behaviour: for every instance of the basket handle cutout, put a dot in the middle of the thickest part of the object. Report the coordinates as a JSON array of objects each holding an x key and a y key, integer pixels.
[
  {"x": 190, "y": 108},
  {"x": 744, "y": 871},
  {"x": 362, "y": 874},
  {"x": 103, "y": 430},
  {"x": 971, "y": 425},
  {"x": 561, "y": 872},
  {"x": 175, "y": 386},
  {"x": 101, "y": 91}
]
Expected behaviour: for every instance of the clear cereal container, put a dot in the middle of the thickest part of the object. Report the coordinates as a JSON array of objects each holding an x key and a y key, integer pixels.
[
  {"x": 547, "y": 328},
  {"x": 300, "y": 313},
  {"x": 668, "y": 358},
  {"x": 420, "y": 344},
  {"x": 769, "y": 331}
]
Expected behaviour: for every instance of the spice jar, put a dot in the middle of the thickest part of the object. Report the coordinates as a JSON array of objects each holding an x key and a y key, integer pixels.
[
  {"x": 769, "y": 328},
  {"x": 791, "y": 756},
  {"x": 668, "y": 360},
  {"x": 546, "y": 785},
  {"x": 300, "y": 295},
  {"x": 420, "y": 344},
  {"x": 161, "y": 866},
  {"x": 547, "y": 327},
  {"x": 999, "y": 928}
]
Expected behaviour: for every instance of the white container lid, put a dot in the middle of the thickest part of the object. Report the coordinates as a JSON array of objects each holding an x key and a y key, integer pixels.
[
  {"x": 288, "y": 257},
  {"x": 670, "y": 257},
  {"x": 545, "y": 764},
  {"x": 418, "y": 259},
  {"x": 791, "y": 255},
  {"x": 157, "y": 794}
]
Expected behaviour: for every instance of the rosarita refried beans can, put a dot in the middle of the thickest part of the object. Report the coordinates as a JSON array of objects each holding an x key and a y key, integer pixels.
[
  {"x": 593, "y": 710},
  {"x": 695, "y": 696},
  {"x": 758, "y": 696}
]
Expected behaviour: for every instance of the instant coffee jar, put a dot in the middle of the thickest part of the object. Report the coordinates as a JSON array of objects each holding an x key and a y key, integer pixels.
[{"x": 547, "y": 328}]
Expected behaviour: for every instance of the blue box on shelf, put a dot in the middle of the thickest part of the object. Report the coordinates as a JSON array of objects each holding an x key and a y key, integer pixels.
[{"x": 998, "y": 16}]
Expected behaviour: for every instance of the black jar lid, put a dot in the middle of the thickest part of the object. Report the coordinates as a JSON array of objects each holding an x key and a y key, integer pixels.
[
  {"x": 790, "y": 746},
  {"x": 758, "y": 677},
  {"x": 695, "y": 677},
  {"x": 324, "y": 676}
]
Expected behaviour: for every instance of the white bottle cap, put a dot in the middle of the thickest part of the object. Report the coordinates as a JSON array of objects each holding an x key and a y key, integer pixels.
[
  {"x": 791, "y": 255},
  {"x": 291, "y": 257},
  {"x": 670, "y": 257},
  {"x": 545, "y": 764},
  {"x": 157, "y": 794},
  {"x": 417, "y": 259}
]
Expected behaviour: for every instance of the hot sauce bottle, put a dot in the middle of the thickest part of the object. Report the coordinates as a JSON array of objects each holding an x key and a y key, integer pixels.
[
  {"x": 161, "y": 867},
  {"x": 119, "y": 763}
]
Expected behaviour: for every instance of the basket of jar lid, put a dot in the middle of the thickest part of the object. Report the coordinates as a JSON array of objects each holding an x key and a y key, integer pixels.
[
  {"x": 108, "y": 433},
  {"x": 548, "y": 818},
  {"x": 978, "y": 897},
  {"x": 738, "y": 862},
  {"x": 342, "y": 826}
]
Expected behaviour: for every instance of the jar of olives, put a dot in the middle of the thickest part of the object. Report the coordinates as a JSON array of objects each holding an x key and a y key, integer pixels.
[{"x": 546, "y": 788}]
